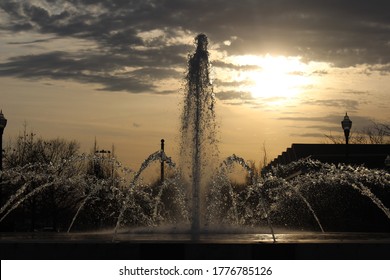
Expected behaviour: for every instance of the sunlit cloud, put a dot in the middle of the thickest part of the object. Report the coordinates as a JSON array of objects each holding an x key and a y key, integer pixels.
[
  {"x": 274, "y": 80},
  {"x": 347, "y": 104}
]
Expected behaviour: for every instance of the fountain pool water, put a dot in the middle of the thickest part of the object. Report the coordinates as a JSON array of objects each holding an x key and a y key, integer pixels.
[{"x": 197, "y": 201}]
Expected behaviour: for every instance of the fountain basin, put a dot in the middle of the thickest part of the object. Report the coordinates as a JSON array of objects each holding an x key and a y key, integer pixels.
[
  {"x": 100, "y": 245},
  {"x": 204, "y": 238}
]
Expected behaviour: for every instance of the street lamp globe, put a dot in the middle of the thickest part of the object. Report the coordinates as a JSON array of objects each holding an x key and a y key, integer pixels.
[
  {"x": 3, "y": 122},
  {"x": 346, "y": 124},
  {"x": 387, "y": 162}
]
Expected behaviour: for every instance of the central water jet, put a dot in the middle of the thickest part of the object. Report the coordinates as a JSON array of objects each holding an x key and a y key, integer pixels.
[{"x": 198, "y": 128}]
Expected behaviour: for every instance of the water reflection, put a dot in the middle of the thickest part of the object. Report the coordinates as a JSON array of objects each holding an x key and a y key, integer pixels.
[{"x": 214, "y": 238}]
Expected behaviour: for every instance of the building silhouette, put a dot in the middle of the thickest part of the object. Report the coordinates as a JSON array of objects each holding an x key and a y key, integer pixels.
[
  {"x": 3, "y": 123},
  {"x": 368, "y": 155}
]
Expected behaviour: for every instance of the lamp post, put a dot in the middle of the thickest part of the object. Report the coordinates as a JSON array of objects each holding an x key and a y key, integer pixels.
[
  {"x": 3, "y": 123},
  {"x": 162, "y": 161},
  {"x": 98, "y": 169},
  {"x": 346, "y": 124},
  {"x": 387, "y": 162}
]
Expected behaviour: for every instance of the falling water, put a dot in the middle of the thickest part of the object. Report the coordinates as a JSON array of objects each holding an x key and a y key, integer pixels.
[
  {"x": 87, "y": 198},
  {"x": 198, "y": 127},
  {"x": 30, "y": 194},
  {"x": 18, "y": 193},
  {"x": 308, "y": 206},
  {"x": 199, "y": 152},
  {"x": 156, "y": 156},
  {"x": 366, "y": 192},
  {"x": 78, "y": 211},
  {"x": 226, "y": 164}
]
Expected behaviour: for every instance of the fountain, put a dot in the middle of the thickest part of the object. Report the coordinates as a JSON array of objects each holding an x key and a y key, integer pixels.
[
  {"x": 195, "y": 201},
  {"x": 199, "y": 144}
]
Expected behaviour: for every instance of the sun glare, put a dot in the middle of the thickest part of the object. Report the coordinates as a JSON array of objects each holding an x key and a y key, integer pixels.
[{"x": 276, "y": 78}]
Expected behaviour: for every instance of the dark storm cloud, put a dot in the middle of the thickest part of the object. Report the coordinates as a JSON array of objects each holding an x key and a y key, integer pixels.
[
  {"x": 344, "y": 33},
  {"x": 62, "y": 66}
]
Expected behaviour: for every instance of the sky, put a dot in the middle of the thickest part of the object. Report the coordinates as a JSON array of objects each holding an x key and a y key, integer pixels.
[{"x": 284, "y": 71}]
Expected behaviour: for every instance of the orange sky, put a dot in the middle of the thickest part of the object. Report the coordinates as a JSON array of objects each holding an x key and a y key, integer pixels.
[{"x": 281, "y": 75}]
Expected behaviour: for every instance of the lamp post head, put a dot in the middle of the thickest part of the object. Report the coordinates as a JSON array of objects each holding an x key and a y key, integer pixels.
[
  {"x": 387, "y": 161},
  {"x": 346, "y": 123},
  {"x": 3, "y": 121}
]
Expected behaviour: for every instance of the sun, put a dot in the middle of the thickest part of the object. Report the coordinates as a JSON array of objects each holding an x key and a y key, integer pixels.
[{"x": 274, "y": 78}]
